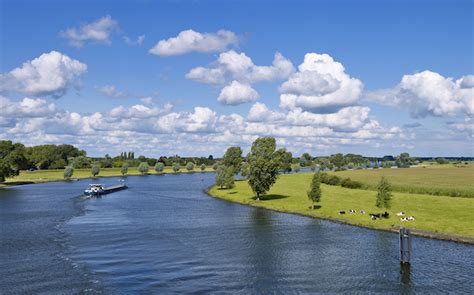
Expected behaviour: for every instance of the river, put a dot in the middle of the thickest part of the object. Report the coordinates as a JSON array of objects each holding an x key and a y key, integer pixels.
[{"x": 164, "y": 235}]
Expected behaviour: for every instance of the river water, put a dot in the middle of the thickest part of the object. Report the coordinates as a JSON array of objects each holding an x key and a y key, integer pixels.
[{"x": 164, "y": 235}]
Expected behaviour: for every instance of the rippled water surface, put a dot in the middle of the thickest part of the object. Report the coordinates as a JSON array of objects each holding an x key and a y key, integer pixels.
[{"x": 165, "y": 235}]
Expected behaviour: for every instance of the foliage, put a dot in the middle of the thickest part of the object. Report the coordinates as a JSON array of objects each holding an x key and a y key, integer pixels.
[
  {"x": 143, "y": 168},
  {"x": 215, "y": 166},
  {"x": 330, "y": 179},
  {"x": 233, "y": 158},
  {"x": 337, "y": 160},
  {"x": 176, "y": 167},
  {"x": 312, "y": 166},
  {"x": 384, "y": 194},
  {"x": 263, "y": 165},
  {"x": 348, "y": 183},
  {"x": 404, "y": 160},
  {"x": 245, "y": 170},
  {"x": 81, "y": 162},
  {"x": 225, "y": 176},
  {"x": 12, "y": 159},
  {"x": 190, "y": 166},
  {"x": 441, "y": 161},
  {"x": 159, "y": 167},
  {"x": 314, "y": 193},
  {"x": 285, "y": 159},
  {"x": 203, "y": 167},
  {"x": 95, "y": 170},
  {"x": 68, "y": 172},
  {"x": 124, "y": 169}
]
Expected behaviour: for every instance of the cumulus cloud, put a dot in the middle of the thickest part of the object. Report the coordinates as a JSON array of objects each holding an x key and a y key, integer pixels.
[
  {"x": 259, "y": 112},
  {"x": 237, "y": 93},
  {"x": 238, "y": 66},
  {"x": 191, "y": 41},
  {"x": 429, "y": 93},
  {"x": 27, "y": 107},
  {"x": 49, "y": 74},
  {"x": 320, "y": 85},
  {"x": 99, "y": 31}
]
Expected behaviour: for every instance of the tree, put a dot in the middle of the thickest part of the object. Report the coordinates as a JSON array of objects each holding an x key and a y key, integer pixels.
[
  {"x": 305, "y": 159},
  {"x": 225, "y": 176},
  {"x": 337, "y": 160},
  {"x": 384, "y": 194},
  {"x": 143, "y": 168},
  {"x": 244, "y": 169},
  {"x": 81, "y": 162},
  {"x": 124, "y": 169},
  {"x": 190, "y": 166},
  {"x": 403, "y": 160},
  {"x": 203, "y": 167},
  {"x": 68, "y": 172},
  {"x": 233, "y": 158},
  {"x": 159, "y": 167},
  {"x": 314, "y": 193},
  {"x": 215, "y": 166},
  {"x": 176, "y": 167},
  {"x": 263, "y": 165},
  {"x": 95, "y": 170},
  {"x": 285, "y": 160},
  {"x": 312, "y": 166},
  {"x": 441, "y": 160}
]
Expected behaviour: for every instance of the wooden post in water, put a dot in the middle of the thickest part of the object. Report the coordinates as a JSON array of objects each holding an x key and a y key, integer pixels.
[{"x": 405, "y": 245}]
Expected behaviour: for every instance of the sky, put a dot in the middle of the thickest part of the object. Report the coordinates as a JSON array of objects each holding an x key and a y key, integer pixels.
[{"x": 195, "y": 77}]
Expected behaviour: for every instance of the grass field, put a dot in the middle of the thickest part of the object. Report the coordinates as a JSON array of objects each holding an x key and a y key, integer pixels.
[
  {"x": 445, "y": 180},
  {"x": 438, "y": 215},
  {"x": 52, "y": 175}
]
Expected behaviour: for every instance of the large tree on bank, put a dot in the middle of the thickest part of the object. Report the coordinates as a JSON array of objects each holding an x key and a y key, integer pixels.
[
  {"x": 233, "y": 158},
  {"x": 264, "y": 164}
]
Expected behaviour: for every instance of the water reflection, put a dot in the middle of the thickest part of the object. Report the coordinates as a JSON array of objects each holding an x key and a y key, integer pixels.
[{"x": 405, "y": 273}]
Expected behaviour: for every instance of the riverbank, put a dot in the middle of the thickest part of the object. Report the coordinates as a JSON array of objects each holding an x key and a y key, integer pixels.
[
  {"x": 40, "y": 176},
  {"x": 438, "y": 217}
]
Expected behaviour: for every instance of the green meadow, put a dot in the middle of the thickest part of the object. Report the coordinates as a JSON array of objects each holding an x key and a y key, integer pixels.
[
  {"x": 434, "y": 215},
  {"x": 54, "y": 175},
  {"x": 447, "y": 180}
]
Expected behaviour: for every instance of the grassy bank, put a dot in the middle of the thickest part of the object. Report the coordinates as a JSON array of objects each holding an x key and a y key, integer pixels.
[
  {"x": 436, "y": 216},
  {"x": 55, "y": 175},
  {"x": 446, "y": 180}
]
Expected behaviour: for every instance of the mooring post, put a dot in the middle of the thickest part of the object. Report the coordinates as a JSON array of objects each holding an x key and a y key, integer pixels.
[{"x": 405, "y": 245}]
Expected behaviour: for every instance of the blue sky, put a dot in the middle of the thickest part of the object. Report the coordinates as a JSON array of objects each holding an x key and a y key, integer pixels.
[{"x": 408, "y": 63}]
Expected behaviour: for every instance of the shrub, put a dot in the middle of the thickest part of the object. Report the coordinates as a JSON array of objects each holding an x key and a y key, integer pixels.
[
  {"x": 348, "y": 183},
  {"x": 68, "y": 172},
  {"x": 159, "y": 167},
  {"x": 143, "y": 168},
  {"x": 190, "y": 166},
  {"x": 329, "y": 179},
  {"x": 203, "y": 167}
]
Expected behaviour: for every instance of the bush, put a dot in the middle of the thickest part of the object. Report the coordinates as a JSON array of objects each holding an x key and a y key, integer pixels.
[
  {"x": 143, "y": 168},
  {"x": 348, "y": 183},
  {"x": 159, "y": 167},
  {"x": 190, "y": 166},
  {"x": 330, "y": 179}
]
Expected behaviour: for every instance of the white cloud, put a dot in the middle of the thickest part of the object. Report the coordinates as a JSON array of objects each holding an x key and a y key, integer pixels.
[
  {"x": 429, "y": 93},
  {"x": 111, "y": 91},
  {"x": 189, "y": 41},
  {"x": 237, "y": 93},
  {"x": 259, "y": 112},
  {"x": 320, "y": 85},
  {"x": 98, "y": 31},
  {"x": 28, "y": 107},
  {"x": 49, "y": 74},
  {"x": 238, "y": 66}
]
